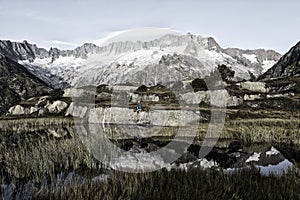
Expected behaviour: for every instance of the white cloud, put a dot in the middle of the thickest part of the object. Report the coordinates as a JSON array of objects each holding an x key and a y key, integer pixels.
[
  {"x": 62, "y": 44},
  {"x": 142, "y": 34}
]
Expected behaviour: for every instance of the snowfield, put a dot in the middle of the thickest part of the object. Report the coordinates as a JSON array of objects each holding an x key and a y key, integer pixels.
[
  {"x": 251, "y": 57},
  {"x": 267, "y": 64}
]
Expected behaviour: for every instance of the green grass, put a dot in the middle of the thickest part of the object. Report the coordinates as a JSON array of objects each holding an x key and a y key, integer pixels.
[
  {"x": 263, "y": 130},
  {"x": 34, "y": 155},
  {"x": 193, "y": 184},
  {"x": 31, "y": 156}
]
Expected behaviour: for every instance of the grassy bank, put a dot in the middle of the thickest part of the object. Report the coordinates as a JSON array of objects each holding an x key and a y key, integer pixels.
[
  {"x": 255, "y": 130},
  {"x": 193, "y": 184},
  {"x": 18, "y": 124},
  {"x": 31, "y": 156}
]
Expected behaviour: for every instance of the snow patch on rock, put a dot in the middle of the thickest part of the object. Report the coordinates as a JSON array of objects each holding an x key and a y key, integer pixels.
[
  {"x": 251, "y": 57},
  {"x": 272, "y": 152},
  {"x": 254, "y": 158}
]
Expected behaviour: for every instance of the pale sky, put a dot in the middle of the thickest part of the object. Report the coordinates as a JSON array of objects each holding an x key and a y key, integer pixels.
[{"x": 270, "y": 24}]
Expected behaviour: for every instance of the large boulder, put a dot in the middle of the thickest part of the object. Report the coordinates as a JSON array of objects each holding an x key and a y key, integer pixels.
[
  {"x": 220, "y": 98},
  {"x": 17, "y": 110},
  {"x": 41, "y": 112},
  {"x": 33, "y": 110},
  {"x": 155, "y": 117},
  {"x": 254, "y": 86},
  {"x": 57, "y": 107}
]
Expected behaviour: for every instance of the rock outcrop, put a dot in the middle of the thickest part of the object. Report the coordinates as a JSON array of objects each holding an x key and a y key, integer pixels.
[
  {"x": 255, "y": 86},
  {"x": 21, "y": 50},
  {"x": 287, "y": 66},
  {"x": 220, "y": 98},
  {"x": 17, "y": 83},
  {"x": 17, "y": 110},
  {"x": 129, "y": 117},
  {"x": 57, "y": 107}
]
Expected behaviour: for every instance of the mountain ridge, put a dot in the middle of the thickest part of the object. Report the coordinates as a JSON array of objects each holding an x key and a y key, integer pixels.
[
  {"x": 287, "y": 66},
  {"x": 27, "y": 51},
  {"x": 68, "y": 66}
]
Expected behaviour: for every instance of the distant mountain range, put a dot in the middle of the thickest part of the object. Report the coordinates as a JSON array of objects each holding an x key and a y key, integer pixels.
[{"x": 158, "y": 57}]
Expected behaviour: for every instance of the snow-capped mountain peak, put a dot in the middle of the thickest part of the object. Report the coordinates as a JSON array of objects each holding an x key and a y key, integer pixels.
[{"x": 136, "y": 57}]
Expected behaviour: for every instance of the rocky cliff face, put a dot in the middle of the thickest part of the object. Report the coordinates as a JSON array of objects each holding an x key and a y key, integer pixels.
[
  {"x": 17, "y": 83},
  {"x": 259, "y": 58},
  {"x": 22, "y": 50},
  {"x": 287, "y": 66},
  {"x": 19, "y": 51}
]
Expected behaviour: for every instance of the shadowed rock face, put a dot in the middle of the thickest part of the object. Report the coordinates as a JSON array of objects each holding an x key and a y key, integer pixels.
[
  {"x": 287, "y": 66},
  {"x": 26, "y": 51},
  {"x": 17, "y": 83},
  {"x": 22, "y": 51},
  {"x": 261, "y": 54}
]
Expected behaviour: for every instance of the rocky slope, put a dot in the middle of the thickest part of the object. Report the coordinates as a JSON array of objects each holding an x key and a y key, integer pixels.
[
  {"x": 17, "y": 83},
  {"x": 170, "y": 57},
  {"x": 287, "y": 66},
  {"x": 19, "y": 51},
  {"x": 22, "y": 51}
]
